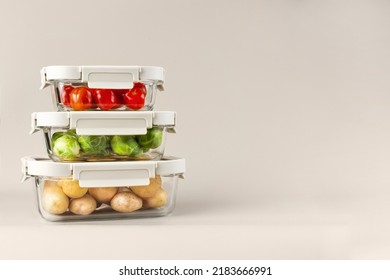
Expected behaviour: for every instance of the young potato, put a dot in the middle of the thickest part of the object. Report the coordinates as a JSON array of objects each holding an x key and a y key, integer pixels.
[
  {"x": 103, "y": 194},
  {"x": 124, "y": 189},
  {"x": 54, "y": 199},
  {"x": 50, "y": 183},
  {"x": 82, "y": 206},
  {"x": 126, "y": 202},
  {"x": 158, "y": 200},
  {"x": 148, "y": 191},
  {"x": 72, "y": 188}
]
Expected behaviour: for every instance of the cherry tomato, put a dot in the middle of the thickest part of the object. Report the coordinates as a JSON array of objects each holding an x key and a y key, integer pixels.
[
  {"x": 65, "y": 95},
  {"x": 81, "y": 99},
  {"x": 105, "y": 99},
  {"x": 135, "y": 98},
  {"x": 119, "y": 95}
]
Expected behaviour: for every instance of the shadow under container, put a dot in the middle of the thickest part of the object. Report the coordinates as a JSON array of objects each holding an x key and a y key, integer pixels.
[
  {"x": 104, "y": 190},
  {"x": 92, "y": 88},
  {"x": 104, "y": 136}
]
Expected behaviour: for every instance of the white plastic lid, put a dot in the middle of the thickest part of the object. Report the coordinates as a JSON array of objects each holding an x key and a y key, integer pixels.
[
  {"x": 104, "y": 123},
  {"x": 99, "y": 76},
  {"x": 103, "y": 174}
]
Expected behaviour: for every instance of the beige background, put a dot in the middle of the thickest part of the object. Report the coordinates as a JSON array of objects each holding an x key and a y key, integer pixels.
[{"x": 283, "y": 117}]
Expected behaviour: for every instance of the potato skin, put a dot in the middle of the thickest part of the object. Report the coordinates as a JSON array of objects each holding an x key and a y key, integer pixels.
[
  {"x": 82, "y": 206},
  {"x": 54, "y": 200},
  {"x": 103, "y": 194},
  {"x": 148, "y": 191},
  {"x": 124, "y": 189},
  {"x": 126, "y": 202},
  {"x": 158, "y": 200},
  {"x": 72, "y": 188},
  {"x": 50, "y": 183}
]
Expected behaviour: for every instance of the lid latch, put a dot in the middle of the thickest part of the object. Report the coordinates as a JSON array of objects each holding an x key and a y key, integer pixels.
[
  {"x": 120, "y": 77},
  {"x": 116, "y": 174}
]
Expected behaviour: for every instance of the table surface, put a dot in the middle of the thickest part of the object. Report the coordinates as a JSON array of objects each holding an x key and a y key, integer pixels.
[{"x": 279, "y": 228}]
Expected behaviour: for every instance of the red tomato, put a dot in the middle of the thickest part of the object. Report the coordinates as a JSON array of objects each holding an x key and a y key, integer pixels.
[
  {"x": 135, "y": 98},
  {"x": 81, "y": 99},
  {"x": 105, "y": 99},
  {"x": 65, "y": 95},
  {"x": 119, "y": 95}
]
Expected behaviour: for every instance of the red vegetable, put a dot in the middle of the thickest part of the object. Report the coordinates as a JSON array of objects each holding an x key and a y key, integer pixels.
[
  {"x": 65, "y": 95},
  {"x": 135, "y": 98},
  {"x": 81, "y": 99},
  {"x": 119, "y": 95},
  {"x": 105, "y": 99}
]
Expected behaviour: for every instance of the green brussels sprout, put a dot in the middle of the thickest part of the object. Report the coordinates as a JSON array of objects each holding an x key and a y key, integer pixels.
[
  {"x": 152, "y": 139},
  {"x": 55, "y": 136},
  {"x": 95, "y": 145},
  {"x": 66, "y": 147},
  {"x": 72, "y": 132},
  {"x": 125, "y": 145}
]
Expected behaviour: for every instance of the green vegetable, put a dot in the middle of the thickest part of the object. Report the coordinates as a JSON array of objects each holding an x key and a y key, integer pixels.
[
  {"x": 95, "y": 145},
  {"x": 55, "y": 137},
  {"x": 72, "y": 132},
  {"x": 152, "y": 139},
  {"x": 66, "y": 147},
  {"x": 124, "y": 145}
]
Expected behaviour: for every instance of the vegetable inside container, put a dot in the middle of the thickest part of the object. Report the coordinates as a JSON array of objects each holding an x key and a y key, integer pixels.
[
  {"x": 104, "y": 190},
  {"x": 61, "y": 199},
  {"x": 67, "y": 145},
  {"x": 104, "y": 136},
  {"x": 75, "y": 96},
  {"x": 103, "y": 88}
]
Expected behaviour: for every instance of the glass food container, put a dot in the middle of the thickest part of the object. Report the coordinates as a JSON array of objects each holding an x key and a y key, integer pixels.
[
  {"x": 104, "y": 190},
  {"x": 86, "y": 88},
  {"x": 104, "y": 136}
]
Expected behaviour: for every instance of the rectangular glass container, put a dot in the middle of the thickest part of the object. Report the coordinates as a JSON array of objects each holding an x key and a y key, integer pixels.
[
  {"x": 77, "y": 197},
  {"x": 103, "y": 88},
  {"x": 104, "y": 136}
]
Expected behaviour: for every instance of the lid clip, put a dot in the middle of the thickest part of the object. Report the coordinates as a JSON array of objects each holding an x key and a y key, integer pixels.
[
  {"x": 117, "y": 174},
  {"x": 111, "y": 77}
]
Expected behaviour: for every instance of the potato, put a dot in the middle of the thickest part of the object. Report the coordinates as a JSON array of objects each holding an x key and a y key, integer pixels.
[
  {"x": 54, "y": 200},
  {"x": 126, "y": 202},
  {"x": 51, "y": 183},
  {"x": 82, "y": 206},
  {"x": 148, "y": 191},
  {"x": 103, "y": 194},
  {"x": 72, "y": 188},
  {"x": 158, "y": 200},
  {"x": 124, "y": 189}
]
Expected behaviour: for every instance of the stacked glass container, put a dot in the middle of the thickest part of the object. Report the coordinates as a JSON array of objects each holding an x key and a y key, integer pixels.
[{"x": 105, "y": 145}]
